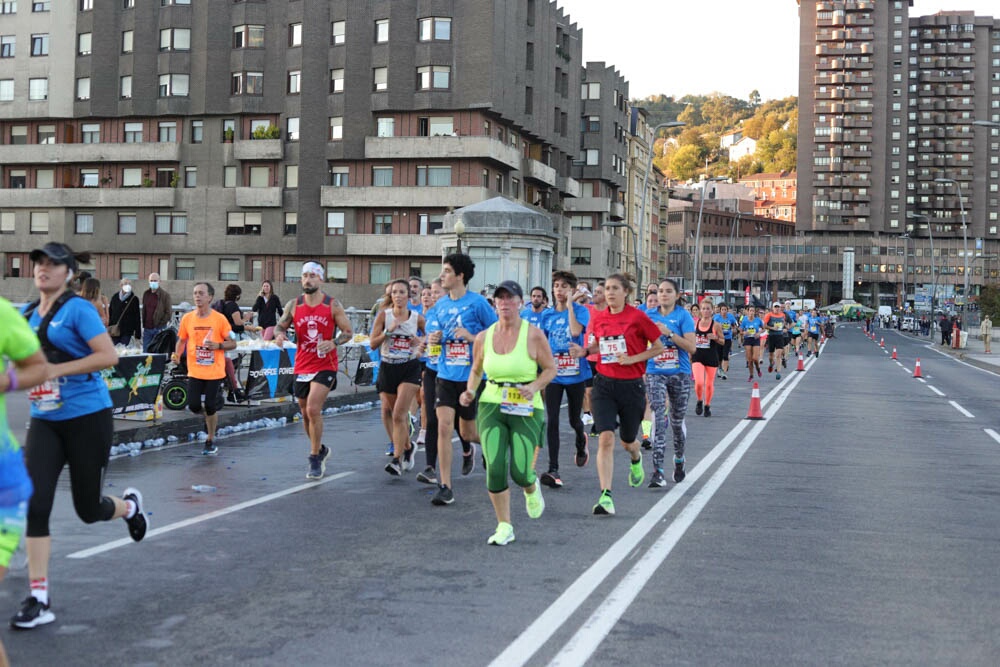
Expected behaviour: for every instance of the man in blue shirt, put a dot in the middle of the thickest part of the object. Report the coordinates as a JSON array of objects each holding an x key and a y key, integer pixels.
[
  {"x": 729, "y": 324},
  {"x": 535, "y": 311}
]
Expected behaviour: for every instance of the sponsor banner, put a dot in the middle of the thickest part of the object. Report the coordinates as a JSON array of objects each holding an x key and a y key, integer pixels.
[
  {"x": 134, "y": 383},
  {"x": 367, "y": 372},
  {"x": 271, "y": 374}
]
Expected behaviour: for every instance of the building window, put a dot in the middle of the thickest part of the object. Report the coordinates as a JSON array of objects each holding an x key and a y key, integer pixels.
[
  {"x": 247, "y": 83},
  {"x": 228, "y": 129},
  {"x": 381, "y": 31},
  {"x": 334, "y": 223},
  {"x": 8, "y": 7},
  {"x": 339, "y": 177},
  {"x": 86, "y": 5},
  {"x": 592, "y": 157},
  {"x": 166, "y": 3},
  {"x": 38, "y": 89},
  {"x": 248, "y": 37},
  {"x": 430, "y": 223},
  {"x": 529, "y": 100},
  {"x": 338, "y": 32},
  {"x": 435, "y": 126},
  {"x": 229, "y": 177},
  {"x": 385, "y": 127},
  {"x": 435, "y": 28},
  {"x": 84, "y": 223},
  {"x": 593, "y": 123},
  {"x": 590, "y": 91},
  {"x": 382, "y": 177},
  {"x": 336, "y": 271},
  {"x": 6, "y": 90},
  {"x": 581, "y": 256},
  {"x": 336, "y": 81},
  {"x": 45, "y": 179},
  {"x": 434, "y": 176},
  {"x": 184, "y": 268},
  {"x": 243, "y": 223},
  {"x": 125, "y": 87},
  {"x": 197, "y": 131},
  {"x": 128, "y": 268},
  {"x": 294, "y": 82},
  {"x": 89, "y": 178},
  {"x": 175, "y": 39},
  {"x": 83, "y": 43},
  {"x": 383, "y": 224},
  {"x": 292, "y": 271},
  {"x": 167, "y": 132},
  {"x": 46, "y": 134},
  {"x": 7, "y": 222},
  {"x": 126, "y": 223},
  {"x": 127, "y": 36},
  {"x": 379, "y": 273},
  {"x": 295, "y": 34},
  {"x": 8, "y": 46},
  {"x": 291, "y": 176},
  {"x": 291, "y": 223},
  {"x": 131, "y": 177},
  {"x": 40, "y": 45},
  {"x": 173, "y": 85},
  {"x": 380, "y": 78},
  {"x": 229, "y": 269},
  {"x": 17, "y": 178},
  {"x": 170, "y": 223},
  {"x": 292, "y": 128},
  {"x": 133, "y": 133},
  {"x": 436, "y": 77},
  {"x": 190, "y": 177},
  {"x": 39, "y": 222},
  {"x": 83, "y": 88},
  {"x": 336, "y": 128},
  {"x": 260, "y": 177}
]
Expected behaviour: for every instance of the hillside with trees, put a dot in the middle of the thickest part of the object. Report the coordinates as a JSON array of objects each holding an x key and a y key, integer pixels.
[{"x": 695, "y": 150}]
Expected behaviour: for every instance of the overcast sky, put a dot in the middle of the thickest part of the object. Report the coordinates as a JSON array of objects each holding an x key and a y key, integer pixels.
[{"x": 729, "y": 46}]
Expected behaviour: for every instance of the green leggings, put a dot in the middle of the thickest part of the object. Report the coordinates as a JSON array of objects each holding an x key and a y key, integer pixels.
[{"x": 501, "y": 435}]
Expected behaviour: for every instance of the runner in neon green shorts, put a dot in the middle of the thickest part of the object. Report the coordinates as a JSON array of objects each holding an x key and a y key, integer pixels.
[{"x": 511, "y": 413}]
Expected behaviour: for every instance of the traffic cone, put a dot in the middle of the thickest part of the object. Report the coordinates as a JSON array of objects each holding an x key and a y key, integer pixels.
[
  {"x": 881, "y": 342},
  {"x": 894, "y": 352},
  {"x": 802, "y": 365},
  {"x": 916, "y": 369},
  {"x": 755, "y": 412}
]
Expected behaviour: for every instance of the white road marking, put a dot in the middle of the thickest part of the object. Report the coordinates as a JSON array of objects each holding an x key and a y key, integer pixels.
[
  {"x": 993, "y": 434},
  {"x": 935, "y": 390},
  {"x": 108, "y": 546},
  {"x": 899, "y": 364},
  {"x": 922, "y": 380},
  {"x": 932, "y": 348},
  {"x": 962, "y": 410},
  {"x": 546, "y": 624}
]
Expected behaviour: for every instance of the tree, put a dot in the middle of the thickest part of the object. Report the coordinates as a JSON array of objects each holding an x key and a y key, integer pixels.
[
  {"x": 989, "y": 301},
  {"x": 754, "y": 99},
  {"x": 686, "y": 162},
  {"x": 691, "y": 115}
]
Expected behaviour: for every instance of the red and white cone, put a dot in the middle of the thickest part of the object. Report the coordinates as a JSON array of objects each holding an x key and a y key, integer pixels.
[
  {"x": 894, "y": 352},
  {"x": 802, "y": 363},
  {"x": 916, "y": 369},
  {"x": 755, "y": 412},
  {"x": 881, "y": 342}
]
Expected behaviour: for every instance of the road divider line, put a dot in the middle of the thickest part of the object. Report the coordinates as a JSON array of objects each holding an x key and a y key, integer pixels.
[
  {"x": 993, "y": 434},
  {"x": 922, "y": 380},
  {"x": 962, "y": 410},
  {"x": 935, "y": 390},
  {"x": 170, "y": 527},
  {"x": 520, "y": 651}
]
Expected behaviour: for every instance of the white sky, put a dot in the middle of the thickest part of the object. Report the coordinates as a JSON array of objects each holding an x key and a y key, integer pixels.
[{"x": 677, "y": 47}]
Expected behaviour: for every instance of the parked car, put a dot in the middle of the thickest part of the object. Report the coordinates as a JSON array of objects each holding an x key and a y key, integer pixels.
[{"x": 908, "y": 324}]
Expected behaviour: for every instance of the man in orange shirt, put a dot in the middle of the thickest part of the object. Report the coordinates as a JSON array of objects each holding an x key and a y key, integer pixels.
[{"x": 205, "y": 334}]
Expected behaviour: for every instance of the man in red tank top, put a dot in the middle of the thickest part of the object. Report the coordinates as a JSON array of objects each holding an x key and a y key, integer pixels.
[{"x": 316, "y": 317}]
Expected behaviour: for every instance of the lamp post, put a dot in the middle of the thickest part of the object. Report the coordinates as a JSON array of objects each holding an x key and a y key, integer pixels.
[
  {"x": 625, "y": 225},
  {"x": 459, "y": 230},
  {"x": 697, "y": 234},
  {"x": 729, "y": 251},
  {"x": 930, "y": 233},
  {"x": 767, "y": 269},
  {"x": 965, "y": 244},
  {"x": 906, "y": 264},
  {"x": 642, "y": 207}
]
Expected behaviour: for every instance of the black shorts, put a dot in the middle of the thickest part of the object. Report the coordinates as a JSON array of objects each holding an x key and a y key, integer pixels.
[
  {"x": 390, "y": 376},
  {"x": 775, "y": 341},
  {"x": 326, "y": 378},
  {"x": 589, "y": 382},
  {"x": 725, "y": 350},
  {"x": 447, "y": 393},
  {"x": 621, "y": 401},
  {"x": 751, "y": 341},
  {"x": 211, "y": 389}
]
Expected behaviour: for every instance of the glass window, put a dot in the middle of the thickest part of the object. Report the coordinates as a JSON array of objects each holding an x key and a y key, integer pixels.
[
  {"x": 383, "y": 224},
  {"x": 6, "y": 90},
  {"x": 381, "y": 31},
  {"x": 435, "y": 28},
  {"x": 292, "y": 128},
  {"x": 229, "y": 269},
  {"x": 294, "y": 82},
  {"x": 38, "y": 89},
  {"x": 128, "y": 268},
  {"x": 382, "y": 176},
  {"x": 131, "y": 177},
  {"x": 440, "y": 125},
  {"x": 229, "y": 177},
  {"x": 336, "y": 271},
  {"x": 334, "y": 223},
  {"x": 379, "y": 273},
  {"x": 39, "y": 222},
  {"x": 291, "y": 223},
  {"x": 170, "y": 223},
  {"x": 43, "y": 6},
  {"x": 84, "y": 223},
  {"x": 184, "y": 268},
  {"x": 293, "y": 271},
  {"x": 190, "y": 177},
  {"x": 430, "y": 224},
  {"x": 127, "y": 37},
  {"x": 125, "y": 87},
  {"x": 126, "y": 223},
  {"x": 260, "y": 177},
  {"x": 7, "y": 222},
  {"x": 45, "y": 178},
  {"x": 90, "y": 133},
  {"x": 291, "y": 176},
  {"x": 197, "y": 131},
  {"x": 46, "y": 134},
  {"x": 336, "y": 128},
  {"x": 173, "y": 85},
  {"x": 434, "y": 176},
  {"x": 336, "y": 81},
  {"x": 243, "y": 223},
  {"x": 175, "y": 39},
  {"x": 381, "y": 78},
  {"x": 295, "y": 34},
  {"x": 433, "y": 77},
  {"x": 338, "y": 32},
  {"x": 40, "y": 44},
  {"x": 167, "y": 131},
  {"x": 83, "y": 44},
  {"x": 133, "y": 133},
  {"x": 385, "y": 127},
  {"x": 89, "y": 178},
  {"x": 339, "y": 176}
]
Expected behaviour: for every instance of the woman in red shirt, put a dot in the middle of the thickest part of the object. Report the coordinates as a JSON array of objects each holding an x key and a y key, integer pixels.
[{"x": 624, "y": 339}]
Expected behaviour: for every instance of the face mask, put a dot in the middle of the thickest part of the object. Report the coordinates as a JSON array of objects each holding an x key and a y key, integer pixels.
[
  {"x": 127, "y": 289},
  {"x": 154, "y": 285}
]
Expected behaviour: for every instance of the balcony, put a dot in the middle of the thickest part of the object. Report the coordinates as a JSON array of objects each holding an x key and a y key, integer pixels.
[
  {"x": 258, "y": 197},
  {"x": 617, "y": 211},
  {"x": 394, "y": 245},
  {"x": 89, "y": 153},
  {"x": 403, "y": 197},
  {"x": 588, "y": 205},
  {"x": 259, "y": 149},
  {"x": 89, "y": 197},
  {"x": 442, "y": 148},
  {"x": 570, "y": 187},
  {"x": 533, "y": 170}
]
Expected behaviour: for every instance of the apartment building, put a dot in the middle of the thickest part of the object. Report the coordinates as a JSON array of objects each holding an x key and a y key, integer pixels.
[
  {"x": 775, "y": 194},
  {"x": 231, "y": 141}
]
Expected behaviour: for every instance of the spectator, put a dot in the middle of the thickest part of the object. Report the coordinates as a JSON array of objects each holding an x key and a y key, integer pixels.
[
  {"x": 91, "y": 291},
  {"x": 124, "y": 315},
  {"x": 986, "y": 331},
  {"x": 945, "y": 325},
  {"x": 157, "y": 310},
  {"x": 268, "y": 309}
]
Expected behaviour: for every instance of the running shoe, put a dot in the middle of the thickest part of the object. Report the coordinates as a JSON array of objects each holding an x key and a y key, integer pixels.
[
  {"x": 750, "y": 379},
  {"x": 551, "y": 478},
  {"x": 777, "y": 376},
  {"x": 422, "y": 437},
  {"x": 137, "y": 524},
  {"x": 657, "y": 480},
  {"x": 759, "y": 374},
  {"x": 390, "y": 450},
  {"x": 534, "y": 503},
  {"x": 770, "y": 368},
  {"x": 444, "y": 496},
  {"x": 582, "y": 455},
  {"x": 394, "y": 468},
  {"x": 784, "y": 362},
  {"x": 31, "y": 614},
  {"x": 708, "y": 410},
  {"x": 699, "y": 406},
  {"x": 210, "y": 449},
  {"x": 646, "y": 444},
  {"x": 679, "y": 473},
  {"x": 504, "y": 535},
  {"x": 469, "y": 459},
  {"x": 723, "y": 375},
  {"x": 635, "y": 473},
  {"x": 408, "y": 457},
  {"x": 604, "y": 504},
  {"x": 587, "y": 418},
  {"x": 317, "y": 463},
  {"x": 427, "y": 476}
]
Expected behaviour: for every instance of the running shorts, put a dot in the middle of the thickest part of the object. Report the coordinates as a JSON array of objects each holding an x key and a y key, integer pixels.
[
  {"x": 390, "y": 376},
  {"x": 326, "y": 378}
]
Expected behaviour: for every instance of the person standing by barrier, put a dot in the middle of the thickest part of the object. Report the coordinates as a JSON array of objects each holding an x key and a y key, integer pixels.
[
  {"x": 268, "y": 309},
  {"x": 705, "y": 360},
  {"x": 515, "y": 356},
  {"x": 204, "y": 335},
  {"x": 986, "y": 331},
  {"x": 70, "y": 421},
  {"x": 157, "y": 310},
  {"x": 124, "y": 315},
  {"x": 316, "y": 317}
]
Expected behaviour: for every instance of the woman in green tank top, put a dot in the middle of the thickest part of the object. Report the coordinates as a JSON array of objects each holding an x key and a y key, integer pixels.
[{"x": 511, "y": 413}]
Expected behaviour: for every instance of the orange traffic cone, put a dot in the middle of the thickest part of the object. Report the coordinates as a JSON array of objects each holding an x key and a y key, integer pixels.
[
  {"x": 916, "y": 369},
  {"x": 894, "y": 352},
  {"x": 881, "y": 342},
  {"x": 802, "y": 365},
  {"x": 755, "y": 412}
]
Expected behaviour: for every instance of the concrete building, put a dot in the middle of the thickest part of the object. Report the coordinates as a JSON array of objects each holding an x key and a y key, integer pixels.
[
  {"x": 233, "y": 141},
  {"x": 745, "y": 147},
  {"x": 775, "y": 194},
  {"x": 642, "y": 217}
]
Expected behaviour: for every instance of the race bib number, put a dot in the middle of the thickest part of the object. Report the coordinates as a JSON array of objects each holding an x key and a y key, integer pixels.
[
  {"x": 46, "y": 396},
  {"x": 778, "y": 326},
  {"x": 512, "y": 402},
  {"x": 456, "y": 353},
  {"x": 701, "y": 341},
  {"x": 399, "y": 347},
  {"x": 204, "y": 356},
  {"x": 611, "y": 347},
  {"x": 750, "y": 331},
  {"x": 434, "y": 350},
  {"x": 305, "y": 377},
  {"x": 567, "y": 365},
  {"x": 666, "y": 360},
  {"x": 726, "y": 326}
]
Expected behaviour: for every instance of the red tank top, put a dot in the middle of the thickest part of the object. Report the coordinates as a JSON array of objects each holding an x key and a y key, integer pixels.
[{"x": 312, "y": 325}]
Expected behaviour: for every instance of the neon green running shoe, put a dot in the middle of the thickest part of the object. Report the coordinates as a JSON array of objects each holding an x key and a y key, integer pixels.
[
  {"x": 534, "y": 502},
  {"x": 504, "y": 534},
  {"x": 636, "y": 474},
  {"x": 604, "y": 504}
]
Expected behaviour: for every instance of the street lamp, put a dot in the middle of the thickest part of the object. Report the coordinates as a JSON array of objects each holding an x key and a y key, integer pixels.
[
  {"x": 930, "y": 233},
  {"x": 767, "y": 270},
  {"x": 906, "y": 265},
  {"x": 642, "y": 207},
  {"x": 622, "y": 224},
  {"x": 697, "y": 234},
  {"x": 459, "y": 230},
  {"x": 965, "y": 243},
  {"x": 729, "y": 251}
]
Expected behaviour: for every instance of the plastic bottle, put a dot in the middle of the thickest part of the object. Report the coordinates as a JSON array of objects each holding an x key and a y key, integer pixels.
[
  {"x": 208, "y": 338},
  {"x": 203, "y": 488},
  {"x": 319, "y": 339}
]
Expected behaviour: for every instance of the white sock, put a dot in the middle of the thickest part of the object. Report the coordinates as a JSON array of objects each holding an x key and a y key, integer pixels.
[
  {"x": 40, "y": 590},
  {"x": 130, "y": 509}
]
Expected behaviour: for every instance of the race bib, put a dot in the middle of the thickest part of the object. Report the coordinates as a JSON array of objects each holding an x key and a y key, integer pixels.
[
  {"x": 666, "y": 360},
  {"x": 750, "y": 332},
  {"x": 305, "y": 377},
  {"x": 701, "y": 341},
  {"x": 725, "y": 326},
  {"x": 204, "y": 356},
  {"x": 399, "y": 347},
  {"x": 567, "y": 365},
  {"x": 434, "y": 350},
  {"x": 611, "y": 347},
  {"x": 456, "y": 353},
  {"x": 778, "y": 326},
  {"x": 513, "y": 403},
  {"x": 46, "y": 396}
]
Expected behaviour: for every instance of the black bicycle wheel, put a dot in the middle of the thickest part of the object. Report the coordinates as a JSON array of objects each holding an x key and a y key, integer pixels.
[{"x": 175, "y": 395}]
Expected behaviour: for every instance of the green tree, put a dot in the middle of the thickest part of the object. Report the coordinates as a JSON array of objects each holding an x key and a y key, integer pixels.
[
  {"x": 686, "y": 162},
  {"x": 691, "y": 115},
  {"x": 989, "y": 301},
  {"x": 754, "y": 99}
]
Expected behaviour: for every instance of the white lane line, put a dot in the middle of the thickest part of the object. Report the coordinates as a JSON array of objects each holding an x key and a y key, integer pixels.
[
  {"x": 899, "y": 364},
  {"x": 588, "y": 638},
  {"x": 108, "y": 546},
  {"x": 546, "y": 624},
  {"x": 908, "y": 371},
  {"x": 935, "y": 390},
  {"x": 922, "y": 380},
  {"x": 993, "y": 434},
  {"x": 932, "y": 348},
  {"x": 962, "y": 410}
]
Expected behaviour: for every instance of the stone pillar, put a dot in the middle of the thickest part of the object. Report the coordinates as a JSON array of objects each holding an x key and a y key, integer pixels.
[
  {"x": 536, "y": 269},
  {"x": 504, "y": 261}
]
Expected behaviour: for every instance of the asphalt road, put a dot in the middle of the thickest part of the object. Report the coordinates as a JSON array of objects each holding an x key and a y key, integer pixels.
[{"x": 857, "y": 524}]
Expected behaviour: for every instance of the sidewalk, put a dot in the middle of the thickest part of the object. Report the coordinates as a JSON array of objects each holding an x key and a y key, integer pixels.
[{"x": 974, "y": 352}]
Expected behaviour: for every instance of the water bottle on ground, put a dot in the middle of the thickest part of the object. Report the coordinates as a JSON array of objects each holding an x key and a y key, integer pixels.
[{"x": 203, "y": 488}]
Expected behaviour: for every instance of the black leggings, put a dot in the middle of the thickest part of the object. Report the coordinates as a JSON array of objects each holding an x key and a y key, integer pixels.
[
  {"x": 83, "y": 442},
  {"x": 553, "y": 399},
  {"x": 431, "y": 433},
  {"x": 210, "y": 388}
]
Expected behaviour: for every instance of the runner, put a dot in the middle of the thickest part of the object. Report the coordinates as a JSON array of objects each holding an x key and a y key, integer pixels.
[
  {"x": 668, "y": 380},
  {"x": 729, "y": 324},
  {"x": 461, "y": 316},
  {"x": 774, "y": 322},
  {"x": 511, "y": 413},
  {"x": 415, "y": 285},
  {"x": 396, "y": 333},
  {"x": 598, "y": 303},
  {"x": 205, "y": 334},
  {"x": 814, "y": 331},
  {"x": 70, "y": 420},
  {"x": 751, "y": 326},
  {"x": 705, "y": 361},
  {"x": 432, "y": 353},
  {"x": 625, "y": 339},
  {"x": 565, "y": 323},
  {"x": 316, "y": 317},
  {"x": 535, "y": 311},
  {"x": 426, "y": 301}
]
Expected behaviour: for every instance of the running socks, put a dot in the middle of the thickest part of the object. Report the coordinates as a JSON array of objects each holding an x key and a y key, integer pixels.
[
  {"x": 647, "y": 426},
  {"x": 40, "y": 590},
  {"x": 130, "y": 509}
]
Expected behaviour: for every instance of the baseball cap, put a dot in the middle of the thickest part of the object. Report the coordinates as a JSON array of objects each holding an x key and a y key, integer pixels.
[
  {"x": 313, "y": 267},
  {"x": 59, "y": 253},
  {"x": 776, "y": 303},
  {"x": 511, "y": 287}
]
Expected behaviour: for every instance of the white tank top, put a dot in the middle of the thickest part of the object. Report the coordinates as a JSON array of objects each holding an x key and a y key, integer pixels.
[{"x": 400, "y": 345}]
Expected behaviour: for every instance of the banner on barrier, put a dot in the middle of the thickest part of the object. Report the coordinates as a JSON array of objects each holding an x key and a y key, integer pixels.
[
  {"x": 134, "y": 383},
  {"x": 272, "y": 373}
]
